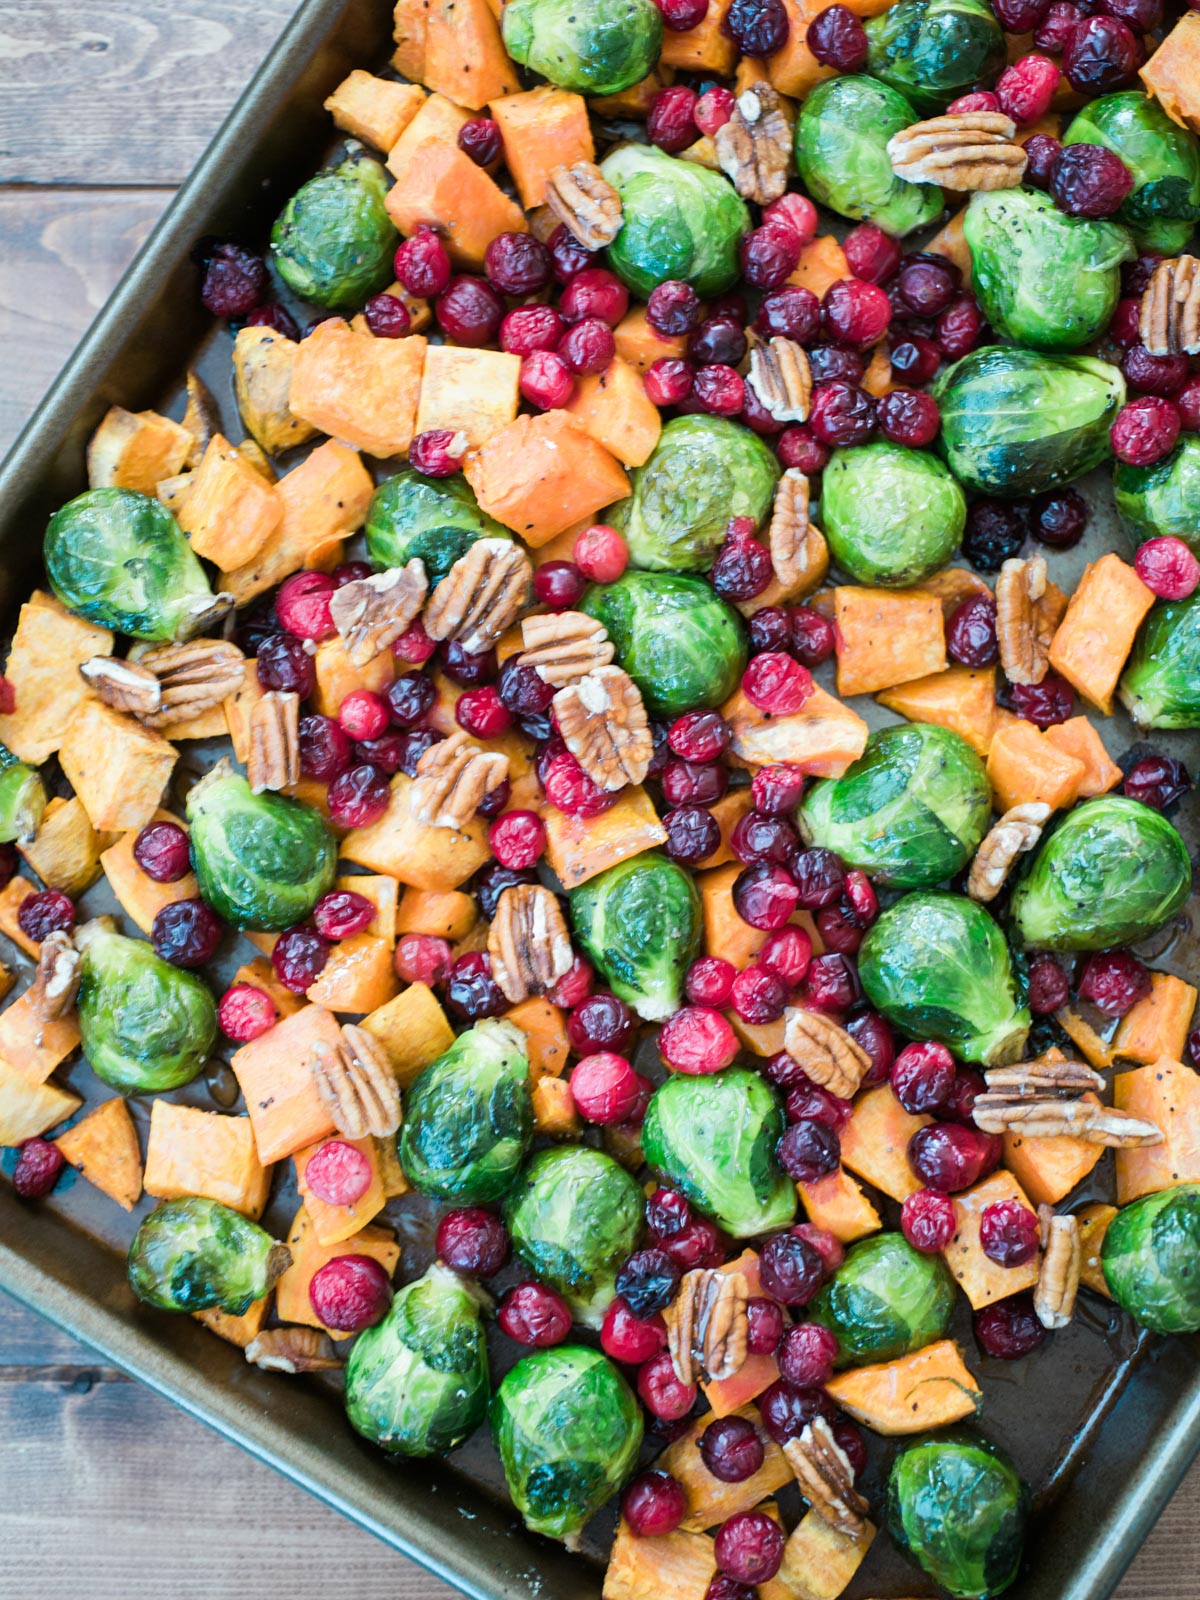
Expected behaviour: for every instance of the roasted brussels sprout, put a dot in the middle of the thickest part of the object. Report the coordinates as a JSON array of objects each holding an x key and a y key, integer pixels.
[
  {"x": 640, "y": 922},
  {"x": 194, "y": 1255},
  {"x": 885, "y": 1300},
  {"x": 1151, "y": 1260},
  {"x": 937, "y": 967},
  {"x": 911, "y": 810},
  {"x": 574, "y": 1215},
  {"x": 417, "y": 1383},
  {"x": 1163, "y": 498},
  {"x": 262, "y": 860},
  {"x": 334, "y": 241},
  {"x": 714, "y": 1138},
  {"x": 1160, "y": 687},
  {"x": 1111, "y": 872},
  {"x": 841, "y": 151},
  {"x": 568, "y": 1430},
  {"x": 433, "y": 519},
  {"x": 595, "y": 47},
  {"x": 1016, "y": 422},
  {"x": 679, "y": 220},
  {"x": 934, "y": 50},
  {"x": 1044, "y": 279},
  {"x": 146, "y": 1025},
  {"x": 120, "y": 559},
  {"x": 1164, "y": 204},
  {"x": 957, "y": 1504},
  {"x": 892, "y": 515},
  {"x": 22, "y": 798}
]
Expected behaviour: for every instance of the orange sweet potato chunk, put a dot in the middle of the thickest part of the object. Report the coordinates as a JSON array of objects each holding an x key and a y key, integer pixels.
[
  {"x": 819, "y": 1561},
  {"x": 543, "y": 473},
  {"x": 230, "y": 511},
  {"x": 613, "y": 408},
  {"x": 980, "y": 1278},
  {"x": 704, "y": 48},
  {"x": 375, "y": 110},
  {"x": 240, "y": 1331},
  {"x": 103, "y": 1148},
  {"x": 333, "y": 1223},
  {"x": 413, "y": 1029},
  {"x": 337, "y": 676},
  {"x": 1096, "y": 635},
  {"x": 136, "y": 450},
  {"x": 1048, "y": 1169},
  {"x": 140, "y": 896},
  {"x": 205, "y": 1153},
  {"x": 1171, "y": 74},
  {"x": 1093, "y": 1225},
  {"x": 27, "y": 1109},
  {"x": 823, "y": 737},
  {"x": 464, "y": 57},
  {"x": 962, "y": 699},
  {"x": 442, "y": 187},
  {"x": 542, "y": 128},
  {"x": 117, "y": 767},
  {"x": 950, "y": 241},
  {"x": 358, "y": 977},
  {"x": 409, "y": 31},
  {"x": 676, "y": 1565},
  {"x": 1023, "y": 767},
  {"x": 725, "y": 933},
  {"x": 1157, "y": 1026},
  {"x": 1079, "y": 738},
  {"x": 474, "y": 392},
  {"x": 875, "y": 1142},
  {"x": 32, "y": 1046},
  {"x": 48, "y": 648},
  {"x": 1166, "y": 1093},
  {"x": 709, "y": 1501},
  {"x": 931, "y": 1388},
  {"x": 274, "y": 1073},
  {"x": 412, "y": 851},
  {"x": 641, "y": 345},
  {"x": 438, "y": 119},
  {"x": 886, "y": 638},
  {"x": 545, "y": 1029},
  {"x": 449, "y": 914},
  {"x": 357, "y": 388},
  {"x": 580, "y": 847},
  {"x": 837, "y": 1204},
  {"x": 309, "y": 1255},
  {"x": 822, "y": 261}
]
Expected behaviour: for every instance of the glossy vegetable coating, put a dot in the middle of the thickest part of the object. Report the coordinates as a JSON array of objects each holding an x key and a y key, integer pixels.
[
  {"x": 640, "y": 923},
  {"x": 334, "y": 241},
  {"x": 1160, "y": 687},
  {"x": 679, "y": 220},
  {"x": 1163, "y": 498},
  {"x": 885, "y": 1301},
  {"x": 1151, "y": 1260},
  {"x": 22, "y": 798},
  {"x": 1164, "y": 158},
  {"x": 934, "y": 50},
  {"x": 147, "y": 1026},
  {"x": 595, "y": 47},
  {"x": 434, "y": 519},
  {"x": 892, "y": 515},
  {"x": 194, "y": 1255},
  {"x": 957, "y": 1504}
]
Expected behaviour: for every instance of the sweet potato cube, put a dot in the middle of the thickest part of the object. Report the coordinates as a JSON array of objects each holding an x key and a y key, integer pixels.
[
  {"x": 206, "y": 1153},
  {"x": 929, "y": 1389},
  {"x": 1158, "y": 1025},
  {"x": 409, "y": 30},
  {"x": 1093, "y": 1225},
  {"x": 729, "y": 811},
  {"x": 117, "y": 767},
  {"x": 1023, "y": 767},
  {"x": 449, "y": 915},
  {"x": 31, "y": 1046},
  {"x": 103, "y": 1148},
  {"x": 819, "y": 1563},
  {"x": 141, "y": 898},
  {"x": 837, "y": 1204},
  {"x": 1170, "y": 74},
  {"x": 309, "y": 1255},
  {"x": 543, "y": 473},
  {"x": 468, "y": 391},
  {"x": 1166, "y": 1093},
  {"x": 875, "y": 1142},
  {"x": 337, "y": 676},
  {"x": 439, "y": 185},
  {"x": 580, "y": 847},
  {"x": 262, "y": 378},
  {"x": 384, "y": 894},
  {"x": 438, "y": 119},
  {"x": 545, "y": 1029},
  {"x": 333, "y": 1223},
  {"x": 414, "y": 852},
  {"x": 980, "y": 1279},
  {"x": 358, "y": 388},
  {"x": 679, "y": 1565},
  {"x": 136, "y": 450},
  {"x": 48, "y": 648},
  {"x": 822, "y": 261},
  {"x": 542, "y": 128},
  {"x": 240, "y": 1331},
  {"x": 413, "y": 1029},
  {"x": 640, "y": 345},
  {"x": 12, "y": 897},
  {"x": 1080, "y": 738},
  {"x": 962, "y": 699},
  {"x": 886, "y": 638},
  {"x": 1048, "y": 1169},
  {"x": 1094, "y": 1048},
  {"x": 613, "y": 408},
  {"x": 554, "y": 1112},
  {"x": 27, "y": 1109},
  {"x": 260, "y": 974},
  {"x": 763, "y": 1039},
  {"x": 1096, "y": 635},
  {"x": 709, "y": 1501},
  {"x": 358, "y": 977},
  {"x": 951, "y": 242},
  {"x": 704, "y": 48},
  {"x": 823, "y": 737},
  {"x": 464, "y": 56},
  {"x": 274, "y": 1072},
  {"x": 375, "y": 110},
  {"x": 65, "y": 852},
  {"x": 230, "y": 512}
]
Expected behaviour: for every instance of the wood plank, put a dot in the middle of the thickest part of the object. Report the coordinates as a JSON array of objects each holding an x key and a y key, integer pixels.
[{"x": 29, "y": 1341}]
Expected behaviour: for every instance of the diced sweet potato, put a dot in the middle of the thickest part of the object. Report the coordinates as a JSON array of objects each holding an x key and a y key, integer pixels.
[
  {"x": 1168, "y": 1094},
  {"x": 117, "y": 767},
  {"x": 580, "y": 847},
  {"x": 962, "y": 699},
  {"x": 1048, "y": 1169},
  {"x": 141, "y": 897},
  {"x": 333, "y": 1223},
  {"x": 823, "y": 737},
  {"x": 704, "y": 48},
  {"x": 274, "y": 1073},
  {"x": 474, "y": 392},
  {"x": 1170, "y": 74},
  {"x": 1096, "y": 635},
  {"x": 640, "y": 345},
  {"x": 709, "y": 1501},
  {"x": 545, "y": 1030},
  {"x": 384, "y": 894},
  {"x": 1023, "y": 768},
  {"x": 885, "y": 638},
  {"x": 309, "y": 1255},
  {"x": 543, "y": 473},
  {"x": 875, "y": 1142},
  {"x": 375, "y": 110},
  {"x": 542, "y": 128},
  {"x": 837, "y": 1204},
  {"x": 980, "y": 1278},
  {"x": 729, "y": 811},
  {"x": 240, "y": 1331},
  {"x": 409, "y": 30},
  {"x": 822, "y": 261},
  {"x": 1094, "y": 1048},
  {"x": 32, "y": 1046},
  {"x": 725, "y": 933},
  {"x": 637, "y": 99},
  {"x": 337, "y": 676},
  {"x": 358, "y": 977},
  {"x": 877, "y": 379},
  {"x": 764, "y": 1039},
  {"x": 413, "y": 1030},
  {"x": 414, "y": 852},
  {"x": 262, "y": 378},
  {"x": 65, "y": 852},
  {"x": 464, "y": 56},
  {"x": 819, "y": 1562},
  {"x": 676, "y": 1565},
  {"x": 261, "y": 975},
  {"x": 1093, "y": 1225},
  {"x": 205, "y": 1153},
  {"x": 614, "y": 409},
  {"x": 136, "y": 450},
  {"x": 1080, "y": 738},
  {"x": 12, "y": 897},
  {"x": 230, "y": 512},
  {"x": 357, "y": 388},
  {"x": 1158, "y": 1025},
  {"x": 554, "y": 1113},
  {"x": 27, "y": 1109},
  {"x": 950, "y": 241},
  {"x": 439, "y": 120},
  {"x": 48, "y": 648},
  {"x": 448, "y": 915},
  {"x": 440, "y": 186},
  {"x": 103, "y": 1148},
  {"x": 929, "y": 1389}
]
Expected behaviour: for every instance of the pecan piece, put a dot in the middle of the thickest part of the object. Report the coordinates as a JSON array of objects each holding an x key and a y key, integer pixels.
[
  {"x": 708, "y": 1329},
  {"x": 604, "y": 725},
  {"x": 780, "y": 377},
  {"x": 788, "y": 534},
  {"x": 56, "y": 982},
  {"x": 481, "y": 596},
  {"x": 123, "y": 685},
  {"x": 754, "y": 148},
  {"x": 293, "y": 1349},
  {"x": 1024, "y": 620},
  {"x": 972, "y": 150},
  {"x": 1046, "y": 1116},
  {"x": 586, "y": 204},
  {"x": 528, "y": 942},
  {"x": 1058, "y": 1278},
  {"x": 564, "y": 646},
  {"x": 453, "y": 778},
  {"x": 1169, "y": 322},
  {"x": 193, "y": 677},
  {"x": 274, "y": 760},
  {"x": 371, "y": 613},
  {"x": 826, "y": 1479},
  {"x": 1052, "y": 1073},
  {"x": 825, "y": 1052},
  {"x": 357, "y": 1086},
  {"x": 1016, "y": 833}
]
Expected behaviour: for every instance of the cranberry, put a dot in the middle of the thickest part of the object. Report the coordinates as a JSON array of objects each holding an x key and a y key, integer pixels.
[
  {"x": 777, "y": 684},
  {"x": 1136, "y": 274},
  {"x": 414, "y": 645},
  {"x": 927, "y": 284},
  {"x": 837, "y": 39},
  {"x": 717, "y": 341},
  {"x": 186, "y": 933},
  {"x": 605, "y": 1089},
  {"x": 671, "y": 119},
  {"x": 518, "y": 264},
  {"x": 777, "y": 790},
  {"x": 469, "y": 311},
  {"x": 523, "y": 690},
  {"x": 299, "y": 958},
  {"x": 601, "y": 1022},
  {"x": 686, "y": 783},
  {"x": 913, "y": 357},
  {"x": 647, "y": 1282},
  {"x": 1060, "y": 518},
  {"x": 1114, "y": 981},
  {"x": 1048, "y": 988},
  {"x": 1019, "y": 16},
  {"x": 350, "y": 1293},
  {"x": 786, "y": 1411},
  {"x": 769, "y": 255},
  {"x": 995, "y": 533},
  {"x": 927, "y": 1221},
  {"x": 971, "y": 632},
  {"x": 587, "y": 347},
  {"x": 959, "y": 328},
  {"x": 529, "y": 329},
  {"x": 856, "y": 313},
  {"x": 39, "y": 1163},
  {"x": 1143, "y": 16},
  {"x": 473, "y": 1241},
  {"x": 358, "y": 797},
  {"x": 1042, "y": 151},
  {"x": 422, "y": 264},
  {"x": 518, "y": 839},
  {"x": 872, "y": 1034},
  {"x": 760, "y": 837},
  {"x": 1026, "y": 89},
  {"x": 1009, "y": 1329},
  {"x": 742, "y": 569},
  {"x": 697, "y": 1040},
  {"x": 839, "y": 931},
  {"x": 437, "y": 453},
  {"x": 482, "y": 713},
  {"x": 1102, "y": 54},
  {"x": 798, "y": 446},
  {"x": 808, "y": 1150},
  {"x": 833, "y": 363},
  {"x": 749, "y": 1546},
  {"x": 416, "y": 742},
  {"x": 161, "y": 850},
  {"x": 906, "y": 416},
  {"x": 960, "y": 1105},
  {"x": 235, "y": 279},
  {"x": 693, "y": 834},
  {"x": 274, "y": 316},
  {"x": 410, "y": 697},
  {"x": 699, "y": 1244},
  {"x": 342, "y": 913},
  {"x": 559, "y": 585},
  {"x": 714, "y": 108},
  {"x": 654, "y": 1503},
  {"x": 1168, "y": 568},
  {"x": 1055, "y": 29},
  {"x": 660, "y": 1390},
  {"x": 595, "y": 292},
  {"x": 387, "y": 316},
  {"x": 533, "y": 1314},
  {"x": 759, "y": 996},
  {"x": 674, "y": 308},
  {"x": 302, "y": 605},
  {"x": 364, "y": 714},
  {"x": 790, "y": 1269},
  {"x": 629, "y": 1338},
  {"x": 719, "y": 391},
  {"x": 1089, "y": 180},
  {"x": 873, "y": 255},
  {"x": 668, "y": 382},
  {"x": 980, "y": 100},
  {"x": 788, "y": 954},
  {"x": 492, "y": 880},
  {"x": 569, "y": 255},
  {"x": 283, "y": 663},
  {"x": 245, "y": 1012},
  {"x": 757, "y": 27},
  {"x": 1193, "y": 1044},
  {"x": 338, "y": 1173},
  {"x": 324, "y": 747},
  {"x": 573, "y": 988},
  {"x": 1163, "y": 375},
  {"x": 387, "y": 752},
  {"x": 1187, "y": 402},
  {"x": 601, "y": 554},
  {"x": 732, "y": 1449},
  {"x": 806, "y": 1355},
  {"x": 842, "y": 414},
  {"x": 709, "y": 981},
  {"x": 1009, "y": 1233},
  {"x": 948, "y": 1157},
  {"x": 569, "y": 789},
  {"x": 764, "y": 1320},
  {"x": 819, "y": 877},
  {"x": 1157, "y": 781},
  {"x": 1045, "y": 703},
  {"x": 764, "y": 896},
  {"x": 667, "y": 1213},
  {"x": 471, "y": 991}
]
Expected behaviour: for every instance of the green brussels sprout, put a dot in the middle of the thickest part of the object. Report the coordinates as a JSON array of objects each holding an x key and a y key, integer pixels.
[
  {"x": 934, "y": 50},
  {"x": 468, "y": 1117},
  {"x": 885, "y": 1301},
  {"x": 435, "y": 520},
  {"x": 334, "y": 241},
  {"x": 1111, "y": 872},
  {"x": 1160, "y": 687},
  {"x": 1016, "y": 422},
  {"x": 680, "y": 643},
  {"x": 1164, "y": 204},
  {"x": 22, "y": 798},
  {"x": 892, "y": 515},
  {"x": 911, "y": 811},
  {"x": 196, "y": 1255},
  {"x": 1043, "y": 278},
  {"x": 595, "y": 47},
  {"x": 937, "y": 967},
  {"x": 841, "y": 151},
  {"x": 714, "y": 1138},
  {"x": 640, "y": 922},
  {"x": 704, "y": 470},
  {"x": 678, "y": 220},
  {"x": 574, "y": 1215},
  {"x": 417, "y": 1383},
  {"x": 262, "y": 860},
  {"x": 146, "y": 1025},
  {"x": 568, "y": 1430},
  {"x": 957, "y": 1504},
  {"x": 120, "y": 559},
  {"x": 1151, "y": 1260},
  {"x": 1163, "y": 498}
]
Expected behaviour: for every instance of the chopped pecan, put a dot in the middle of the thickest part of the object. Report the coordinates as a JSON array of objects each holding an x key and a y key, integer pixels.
[
  {"x": 357, "y": 1085},
  {"x": 1058, "y": 1278},
  {"x": 970, "y": 150},
  {"x": 371, "y": 613},
  {"x": 787, "y": 536},
  {"x": 1049, "y": 1074},
  {"x": 1016, "y": 833},
  {"x": 56, "y": 982},
  {"x": 780, "y": 377},
  {"x": 826, "y": 1479},
  {"x": 586, "y": 204},
  {"x": 1169, "y": 324},
  {"x": 564, "y": 646},
  {"x": 123, "y": 685},
  {"x": 604, "y": 725},
  {"x": 484, "y": 593},
  {"x": 824, "y": 1052},
  {"x": 192, "y": 677},
  {"x": 754, "y": 148},
  {"x": 528, "y": 942},
  {"x": 453, "y": 778},
  {"x": 293, "y": 1349},
  {"x": 1024, "y": 620},
  {"x": 274, "y": 760},
  {"x": 1046, "y": 1116},
  {"x": 708, "y": 1329}
]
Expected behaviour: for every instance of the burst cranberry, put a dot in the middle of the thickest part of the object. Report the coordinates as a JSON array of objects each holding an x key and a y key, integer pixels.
[
  {"x": 684, "y": 783},
  {"x": 186, "y": 933},
  {"x": 631, "y": 1339},
  {"x": 742, "y": 569},
  {"x": 971, "y": 632},
  {"x": 472, "y": 1241},
  {"x": 791, "y": 312},
  {"x": 1045, "y": 703},
  {"x": 534, "y": 1315},
  {"x": 769, "y": 255},
  {"x": 1142, "y": 15},
  {"x": 1162, "y": 375},
  {"x": 358, "y": 797},
  {"x": 842, "y": 414},
  {"x": 820, "y": 878},
  {"x": 1055, "y": 29},
  {"x": 518, "y": 264},
  {"x": 161, "y": 850},
  {"x": 601, "y": 1022},
  {"x": 1102, "y": 54},
  {"x": 39, "y": 1163},
  {"x": 469, "y": 311},
  {"x": 927, "y": 1221},
  {"x": 299, "y": 958},
  {"x": 1157, "y": 781},
  {"x": 595, "y": 292},
  {"x": 757, "y": 27},
  {"x": 655, "y": 1503},
  {"x": 1060, "y": 519},
  {"x": 302, "y": 605},
  {"x": 808, "y": 1150},
  {"x": 922, "y": 1076},
  {"x": 837, "y": 39},
  {"x": 777, "y": 684},
  {"x": 387, "y": 316},
  {"x": 709, "y": 981},
  {"x": 668, "y": 382},
  {"x": 873, "y": 255},
  {"x": 1048, "y": 987},
  {"x": 1009, "y": 1233},
  {"x": 587, "y": 347},
  {"x": 471, "y": 990},
  {"x": 671, "y": 119},
  {"x": 732, "y": 1449},
  {"x": 422, "y": 958},
  {"x": 568, "y": 254},
  {"x": 1168, "y": 568},
  {"x": 947, "y": 1157},
  {"x": 422, "y": 264},
  {"x": 786, "y": 1411},
  {"x": 697, "y": 1040},
  {"x": 437, "y": 453},
  {"x": 1025, "y": 90},
  {"x": 906, "y": 416},
  {"x": 1114, "y": 981},
  {"x": 605, "y": 1088},
  {"x": 235, "y": 279},
  {"x": 790, "y": 1269},
  {"x": 414, "y": 645},
  {"x": 759, "y": 837},
  {"x": 759, "y": 996},
  {"x": 749, "y": 1547},
  {"x": 693, "y": 834},
  {"x": 1089, "y": 180},
  {"x": 714, "y": 108},
  {"x": 283, "y": 663},
  {"x": 872, "y": 1034},
  {"x": 1009, "y": 1329},
  {"x": 338, "y": 1173},
  {"x": 245, "y": 1012},
  {"x": 777, "y": 790},
  {"x": 764, "y": 896}
]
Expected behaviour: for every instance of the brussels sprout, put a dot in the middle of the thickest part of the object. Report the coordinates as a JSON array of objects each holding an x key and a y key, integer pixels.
[
  {"x": 595, "y": 47},
  {"x": 885, "y": 1300},
  {"x": 146, "y": 1025},
  {"x": 1044, "y": 279},
  {"x": 22, "y": 798},
  {"x": 1163, "y": 498},
  {"x": 574, "y": 1215},
  {"x": 937, "y": 967},
  {"x": 714, "y": 1137},
  {"x": 1160, "y": 687},
  {"x": 957, "y": 1504},
  {"x": 1015, "y": 422},
  {"x": 841, "y": 152},
  {"x": 1110, "y": 873},
  {"x": 568, "y": 1431},
  {"x": 934, "y": 50},
  {"x": 417, "y": 1383},
  {"x": 334, "y": 241},
  {"x": 120, "y": 559},
  {"x": 892, "y": 515},
  {"x": 1151, "y": 1260},
  {"x": 640, "y": 922},
  {"x": 911, "y": 810},
  {"x": 704, "y": 470},
  {"x": 468, "y": 1117},
  {"x": 194, "y": 1255},
  {"x": 679, "y": 220},
  {"x": 680, "y": 643},
  {"x": 1164, "y": 204},
  {"x": 262, "y": 860},
  {"x": 435, "y": 520}
]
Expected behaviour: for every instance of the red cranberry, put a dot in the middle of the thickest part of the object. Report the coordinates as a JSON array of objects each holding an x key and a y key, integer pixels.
[
  {"x": 410, "y": 697},
  {"x": 569, "y": 789},
  {"x": 338, "y": 1173},
  {"x": 631, "y": 1339},
  {"x": 668, "y": 382},
  {"x": 838, "y": 930},
  {"x": 764, "y": 896},
  {"x": 1055, "y": 29},
  {"x": 1157, "y": 781},
  {"x": 341, "y": 914},
  {"x": 959, "y": 328},
  {"x": 1089, "y": 180},
  {"x": 699, "y": 736},
  {"x": 693, "y": 834},
  {"x": 387, "y": 316},
  {"x": 1114, "y": 981},
  {"x": 1009, "y": 1233},
  {"x": 671, "y": 119},
  {"x": 274, "y": 316},
  {"x": 1163, "y": 375},
  {"x": 819, "y": 878},
  {"x": 1019, "y": 16},
  {"x": 947, "y": 1157},
  {"x": 732, "y": 1449},
  {"x": 760, "y": 837},
  {"x": 1102, "y": 54},
  {"x": 856, "y": 313},
  {"x": 749, "y": 1547},
  {"x": 559, "y": 585},
  {"x": 790, "y": 1269},
  {"x": 283, "y": 663},
  {"x": 161, "y": 850},
  {"x": 350, "y": 1293},
  {"x": 469, "y": 311},
  {"x": 971, "y": 632},
  {"x": 960, "y": 1106},
  {"x": 529, "y": 329},
  {"x": 595, "y": 292},
  {"x": 1143, "y": 16},
  {"x": 422, "y": 264},
  {"x": 587, "y": 347},
  {"x": 302, "y": 605},
  {"x": 981, "y": 100},
  {"x": 798, "y": 446},
  {"x": 808, "y": 1150},
  {"x": 468, "y": 667},
  {"x": 358, "y": 797},
  {"x": 777, "y": 790},
  {"x": 473, "y": 1241},
  {"x": 533, "y": 1314},
  {"x": 471, "y": 991},
  {"x": 1136, "y": 274},
  {"x": 299, "y": 958},
  {"x": 1187, "y": 402},
  {"x": 913, "y": 357},
  {"x": 699, "y": 1244},
  {"x": 1060, "y": 518},
  {"x": 837, "y": 39},
  {"x": 568, "y": 254},
  {"x": 686, "y": 783},
  {"x": 788, "y": 954},
  {"x": 363, "y": 714},
  {"x": 1168, "y": 568},
  {"x": 654, "y": 1504},
  {"x": 324, "y": 747},
  {"x": 791, "y": 312},
  {"x": 605, "y": 1088},
  {"x": 697, "y": 1040},
  {"x": 759, "y": 996},
  {"x": 574, "y": 987},
  {"x": 927, "y": 1221},
  {"x": 518, "y": 264},
  {"x": 518, "y": 839},
  {"x": 928, "y": 284},
  {"x": 794, "y": 211},
  {"x": 1045, "y": 703},
  {"x": 807, "y": 1353},
  {"x": 414, "y": 645},
  {"x": 769, "y": 255},
  {"x": 872, "y": 1034},
  {"x": 601, "y": 1022},
  {"x": 717, "y": 341},
  {"x": 719, "y": 391},
  {"x": 245, "y": 1012},
  {"x": 235, "y": 279},
  {"x": 39, "y": 1163},
  {"x": 922, "y": 1076},
  {"x": 482, "y": 713},
  {"x": 601, "y": 554},
  {"x": 387, "y": 752},
  {"x": 777, "y": 684},
  {"x": 674, "y": 308},
  {"x": 422, "y": 958},
  {"x": 1009, "y": 1329},
  {"x": 667, "y": 1213},
  {"x": 186, "y": 933},
  {"x": 715, "y": 106},
  {"x": 842, "y": 414},
  {"x": 995, "y": 534},
  {"x": 1048, "y": 988},
  {"x": 742, "y": 569},
  {"x": 906, "y": 416},
  {"x": 764, "y": 1325},
  {"x": 660, "y": 1390},
  {"x": 873, "y": 255},
  {"x": 786, "y": 1411},
  {"x": 1026, "y": 89},
  {"x": 1041, "y": 153},
  {"x": 709, "y": 981},
  {"x": 757, "y": 27},
  {"x": 834, "y": 363}
]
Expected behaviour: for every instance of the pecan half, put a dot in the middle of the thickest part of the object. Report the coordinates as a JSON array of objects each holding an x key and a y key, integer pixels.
[
  {"x": 123, "y": 685},
  {"x": 564, "y": 646},
  {"x": 1016, "y": 833},
  {"x": 56, "y": 982},
  {"x": 371, "y": 613},
  {"x": 586, "y": 204},
  {"x": 780, "y": 377},
  {"x": 708, "y": 1329},
  {"x": 528, "y": 942},
  {"x": 1169, "y": 323},
  {"x": 825, "y": 1052},
  {"x": 603, "y": 722},
  {"x": 1024, "y": 620},
  {"x": 754, "y": 148},
  {"x": 1052, "y": 1073},
  {"x": 453, "y": 778},
  {"x": 192, "y": 677},
  {"x": 966, "y": 151},
  {"x": 274, "y": 760},
  {"x": 1058, "y": 1277},
  {"x": 293, "y": 1349},
  {"x": 1046, "y": 1116},
  {"x": 357, "y": 1085},
  {"x": 787, "y": 536},
  {"x": 826, "y": 1479},
  {"x": 481, "y": 596}
]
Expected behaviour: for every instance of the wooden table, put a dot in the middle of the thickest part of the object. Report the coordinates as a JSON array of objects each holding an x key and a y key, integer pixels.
[{"x": 104, "y": 1488}]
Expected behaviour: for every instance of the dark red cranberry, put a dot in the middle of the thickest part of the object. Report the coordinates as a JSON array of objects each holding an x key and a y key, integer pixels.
[
  {"x": 839, "y": 931},
  {"x": 358, "y": 797},
  {"x": 808, "y": 1150},
  {"x": 324, "y": 747},
  {"x": 473, "y": 1241},
  {"x": 410, "y": 697},
  {"x": 1009, "y": 1233},
  {"x": 387, "y": 316},
  {"x": 573, "y": 988},
  {"x": 1157, "y": 781},
  {"x": 44, "y": 912},
  {"x": 1168, "y": 568},
  {"x": 842, "y": 414},
  {"x": 587, "y": 347},
  {"x": 777, "y": 790},
  {"x": 759, "y": 996},
  {"x": 968, "y": 1086},
  {"x": 819, "y": 877},
  {"x": 759, "y": 836},
  {"x": 837, "y": 39},
  {"x": 559, "y": 585},
  {"x": 647, "y": 1281},
  {"x": 283, "y": 663},
  {"x": 235, "y": 279},
  {"x": 422, "y": 958},
  {"x": 601, "y": 1022},
  {"x": 806, "y": 1355},
  {"x": 732, "y": 1449},
  {"x": 769, "y": 255},
  {"x": 709, "y": 982},
  {"x": 1143, "y": 16},
  {"x": 39, "y": 1163},
  {"x": 790, "y": 1269},
  {"x": 674, "y": 308},
  {"x": 798, "y": 446},
  {"x": 631, "y": 1339},
  {"x": 299, "y": 958},
  {"x": 1019, "y": 16},
  {"x": 693, "y": 834},
  {"x": 671, "y": 119},
  {"x": 522, "y": 689},
  {"x": 1041, "y": 154},
  {"x": 913, "y": 357},
  {"x": 757, "y": 27},
  {"x": 777, "y": 683},
  {"x": 416, "y": 742},
  {"x": 717, "y": 341},
  {"x": 833, "y": 363},
  {"x": 667, "y": 1213},
  {"x": 491, "y": 881},
  {"x": 927, "y": 1221},
  {"x": 719, "y": 391},
  {"x": 971, "y": 632},
  {"x": 422, "y": 264},
  {"x": 786, "y": 1411},
  {"x": 518, "y": 264},
  {"x": 1102, "y": 54},
  {"x": 161, "y": 850},
  {"x": 699, "y": 736},
  {"x": 595, "y": 292},
  {"x": 996, "y": 531},
  {"x": 569, "y": 255},
  {"x": 480, "y": 138},
  {"x": 1193, "y": 1045},
  {"x": 468, "y": 667},
  {"x": 749, "y": 1547},
  {"x": 856, "y": 313},
  {"x": 661, "y": 1391},
  {"x": 764, "y": 896},
  {"x": 469, "y": 311},
  {"x": 948, "y": 1157},
  {"x": 812, "y": 636},
  {"x": 1045, "y": 703},
  {"x": 1114, "y": 981},
  {"x": 1089, "y": 180},
  {"x": 246, "y": 1012},
  {"x": 654, "y": 1504},
  {"x": 1162, "y": 375},
  {"x": 742, "y": 569},
  {"x": 1026, "y": 89},
  {"x": 387, "y": 752},
  {"x": 959, "y": 328},
  {"x": 687, "y": 783},
  {"x": 527, "y": 329},
  {"x": 302, "y": 605},
  {"x": 1009, "y": 1329},
  {"x": 872, "y": 1034},
  {"x": 1048, "y": 987},
  {"x": 414, "y": 645},
  {"x": 1145, "y": 430},
  {"x": 927, "y": 284},
  {"x": 1052, "y": 33},
  {"x": 342, "y": 913},
  {"x": 1059, "y": 519},
  {"x": 700, "y": 1244},
  {"x": 471, "y": 991},
  {"x": 533, "y": 1314},
  {"x": 791, "y": 312},
  {"x": 764, "y": 1325},
  {"x": 668, "y": 382},
  {"x": 922, "y": 1076},
  {"x": 1187, "y": 401},
  {"x": 906, "y": 416},
  {"x": 274, "y": 316}
]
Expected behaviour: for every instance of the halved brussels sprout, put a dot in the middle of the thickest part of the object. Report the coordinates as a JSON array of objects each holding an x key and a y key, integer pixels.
[
  {"x": 640, "y": 922},
  {"x": 1111, "y": 872},
  {"x": 885, "y": 1300},
  {"x": 1160, "y": 687},
  {"x": 1043, "y": 278},
  {"x": 1015, "y": 422},
  {"x": 680, "y": 643},
  {"x": 22, "y": 798},
  {"x": 120, "y": 559},
  {"x": 957, "y": 1504},
  {"x": 1151, "y": 1260},
  {"x": 934, "y": 50},
  {"x": 911, "y": 811},
  {"x": 417, "y": 1383},
  {"x": 714, "y": 1138},
  {"x": 892, "y": 515},
  {"x": 574, "y": 1215},
  {"x": 937, "y": 967},
  {"x": 1164, "y": 204},
  {"x": 334, "y": 241},
  {"x": 468, "y": 1117},
  {"x": 841, "y": 151},
  {"x": 262, "y": 860},
  {"x": 146, "y": 1025},
  {"x": 595, "y": 47},
  {"x": 1163, "y": 498},
  {"x": 679, "y": 220},
  {"x": 436, "y": 520},
  {"x": 195, "y": 1254},
  {"x": 568, "y": 1430}
]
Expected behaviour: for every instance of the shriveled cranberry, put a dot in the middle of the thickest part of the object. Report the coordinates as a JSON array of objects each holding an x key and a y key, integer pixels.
[
  {"x": 792, "y": 312},
  {"x": 299, "y": 958},
  {"x": 697, "y": 1040},
  {"x": 732, "y": 1449},
  {"x": 1164, "y": 375},
  {"x": 837, "y": 39},
  {"x": 693, "y": 834},
  {"x": 1114, "y": 981},
  {"x": 601, "y": 1022},
  {"x": 186, "y": 933},
  {"x": 838, "y": 930},
  {"x": 759, "y": 996},
  {"x": 968, "y": 1086},
  {"x": 660, "y": 1390},
  {"x": 819, "y": 877},
  {"x": 761, "y": 837},
  {"x": 471, "y": 991},
  {"x": 1026, "y": 89},
  {"x": 387, "y": 752},
  {"x": 1157, "y": 781},
  {"x": 1009, "y": 1233},
  {"x": 691, "y": 783},
  {"x": 842, "y": 414},
  {"x": 1089, "y": 180},
  {"x": 667, "y": 1213},
  {"x": 948, "y": 1157},
  {"x": 469, "y": 311},
  {"x": 1019, "y": 16},
  {"x": 338, "y": 1173},
  {"x": 342, "y": 913},
  {"x": 1145, "y": 430},
  {"x": 809, "y": 1102},
  {"x": 410, "y": 697},
  {"x": 1102, "y": 54},
  {"x": 587, "y": 347},
  {"x": 786, "y": 1411},
  {"x": 834, "y": 363},
  {"x": 302, "y": 605},
  {"x": 757, "y": 27},
  {"x": 913, "y": 357},
  {"x": 416, "y": 742},
  {"x": 769, "y": 255},
  {"x": 791, "y": 1269},
  {"x": 742, "y": 568},
  {"x": 719, "y": 391},
  {"x": 671, "y": 119},
  {"x": 528, "y": 329},
  {"x": 872, "y": 1034},
  {"x": 927, "y": 284},
  {"x": 387, "y": 316},
  {"x": 647, "y": 1281},
  {"x": 522, "y": 689},
  {"x": 749, "y": 1547},
  {"x": 699, "y": 736},
  {"x": 668, "y": 381},
  {"x": 518, "y": 264},
  {"x": 764, "y": 1320},
  {"x": 1009, "y": 1329},
  {"x": 715, "y": 106},
  {"x": 798, "y": 446},
  {"x": 927, "y": 1221},
  {"x": 324, "y": 747},
  {"x": 414, "y": 645},
  {"x": 235, "y": 279},
  {"x": 1041, "y": 153},
  {"x": 674, "y": 308},
  {"x": 1045, "y": 703},
  {"x": 473, "y": 1241},
  {"x": 1059, "y": 519},
  {"x": 422, "y": 264},
  {"x": 777, "y": 683},
  {"x": 358, "y": 797},
  {"x": 1052, "y": 33},
  {"x": 777, "y": 790},
  {"x": 971, "y": 632},
  {"x": 245, "y": 1012},
  {"x": 764, "y": 896},
  {"x": 861, "y": 901},
  {"x": 807, "y": 1353},
  {"x": 654, "y": 1504},
  {"x": 569, "y": 255},
  {"x": 808, "y": 1150},
  {"x": 1187, "y": 402},
  {"x": 39, "y": 1163},
  {"x": 161, "y": 850},
  {"x": 1141, "y": 15},
  {"x": 283, "y": 663},
  {"x": 422, "y": 958},
  {"x": 906, "y": 416},
  {"x": 629, "y": 1338},
  {"x": 1048, "y": 987},
  {"x": 274, "y": 316},
  {"x": 873, "y": 255},
  {"x": 1136, "y": 274},
  {"x": 922, "y": 1076},
  {"x": 533, "y": 1314},
  {"x": 959, "y": 328},
  {"x": 996, "y": 530},
  {"x": 700, "y": 1243},
  {"x": 1168, "y": 568},
  {"x": 595, "y": 292}
]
